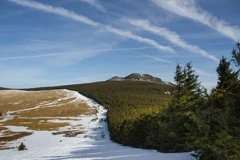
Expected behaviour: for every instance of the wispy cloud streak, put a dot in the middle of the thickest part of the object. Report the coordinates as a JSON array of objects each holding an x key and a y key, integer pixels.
[
  {"x": 171, "y": 36},
  {"x": 80, "y": 18},
  {"x": 56, "y": 10},
  {"x": 72, "y": 53},
  {"x": 152, "y": 57},
  {"x": 130, "y": 35},
  {"x": 95, "y": 3},
  {"x": 35, "y": 56},
  {"x": 190, "y": 10}
]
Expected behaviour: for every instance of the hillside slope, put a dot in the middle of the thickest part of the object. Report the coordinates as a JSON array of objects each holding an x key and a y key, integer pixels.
[{"x": 126, "y": 102}]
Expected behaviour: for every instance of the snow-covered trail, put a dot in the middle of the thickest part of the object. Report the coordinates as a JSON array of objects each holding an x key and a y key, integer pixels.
[{"x": 94, "y": 144}]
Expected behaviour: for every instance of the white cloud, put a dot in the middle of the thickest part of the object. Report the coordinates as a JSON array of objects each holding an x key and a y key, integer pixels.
[
  {"x": 95, "y": 3},
  {"x": 171, "y": 36},
  {"x": 190, "y": 10},
  {"x": 72, "y": 15}
]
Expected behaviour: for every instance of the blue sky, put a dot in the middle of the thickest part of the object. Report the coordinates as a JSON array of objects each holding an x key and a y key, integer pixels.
[{"x": 45, "y": 43}]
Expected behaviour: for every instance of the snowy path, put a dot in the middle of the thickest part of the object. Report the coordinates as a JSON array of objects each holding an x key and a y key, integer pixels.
[{"x": 94, "y": 144}]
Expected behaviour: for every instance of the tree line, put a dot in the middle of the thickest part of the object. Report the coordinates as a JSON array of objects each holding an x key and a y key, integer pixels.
[{"x": 208, "y": 124}]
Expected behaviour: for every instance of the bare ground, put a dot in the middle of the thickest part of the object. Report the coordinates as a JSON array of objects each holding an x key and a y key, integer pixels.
[
  {"x": 9, "y": 135},
  {"x": 3, "y": 128},
  {"x": 35, "y": 124}
]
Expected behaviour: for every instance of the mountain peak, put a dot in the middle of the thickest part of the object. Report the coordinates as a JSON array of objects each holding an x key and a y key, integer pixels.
[{"x": 138, "y": 77}]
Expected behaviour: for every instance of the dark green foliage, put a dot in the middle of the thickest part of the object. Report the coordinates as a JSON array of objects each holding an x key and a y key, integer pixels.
[
  {"x": 226, "y": 77},
  {"x": 126, "y": 102},
  {"x": 223, "y": 116},
  {"x": 236, "y": 55},
  {"x": 179, "y": 79},
  {"x": 194, "y": 120},
  {"x": 183, "y": 122},
  {"x": 206, "y": 123},
  {"x": 22, "y": 147}
]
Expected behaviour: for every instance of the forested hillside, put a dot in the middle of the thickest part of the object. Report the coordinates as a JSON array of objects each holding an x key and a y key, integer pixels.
[{"x": 127, "y": 102}]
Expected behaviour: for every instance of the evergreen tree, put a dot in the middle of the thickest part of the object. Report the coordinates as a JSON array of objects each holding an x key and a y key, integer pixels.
[
  {"x": 192, "y": 80},
  {"x": 226, "y": 77},
  {"x": 223, "y": 117},
  {"x": 178, "y": 77},
  {"x": 236, "y": 55},
  {"x": 184, "y": 118},
  {"x": 226, "y": 93},
  {"x": 191, "y": 90}
]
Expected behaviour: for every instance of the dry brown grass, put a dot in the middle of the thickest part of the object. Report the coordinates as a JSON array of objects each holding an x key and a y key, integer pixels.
[
  {"x": 51, "y": 104},
  {"x": 36, "y": 124},
  {"x": 17, "y": 100},
  {"x": 70, "y": 109},
  {"x": 72, "y": 133},
  {"x": 3, "y": 146},
  {"x": 2, "y": 128},
  {"x": 54, "y": 103},
  {"x": 10, "y": 136}
]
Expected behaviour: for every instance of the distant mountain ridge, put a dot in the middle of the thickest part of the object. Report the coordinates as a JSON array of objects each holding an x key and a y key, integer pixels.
[
  {"x": 2, "y": 88},
  {"x": 139, "y": 77}
]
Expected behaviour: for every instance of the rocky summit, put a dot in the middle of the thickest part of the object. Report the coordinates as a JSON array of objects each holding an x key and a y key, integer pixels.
[{"x": 138, "y": 77}]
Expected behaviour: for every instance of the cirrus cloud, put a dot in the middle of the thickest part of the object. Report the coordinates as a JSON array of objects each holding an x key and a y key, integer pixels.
[
  {"x": 171, "y": 36},
  {"x": 190, "y": 10},
  {"x": 80, "y": 18}
]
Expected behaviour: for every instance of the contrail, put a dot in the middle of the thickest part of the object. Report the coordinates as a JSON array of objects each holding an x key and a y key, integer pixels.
[
  {"x": 171, "y": 36},
  {"x": 69, "y": 53},
  {"x": 190, "y": 10},
  {"x": 80, "y": 18}
]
